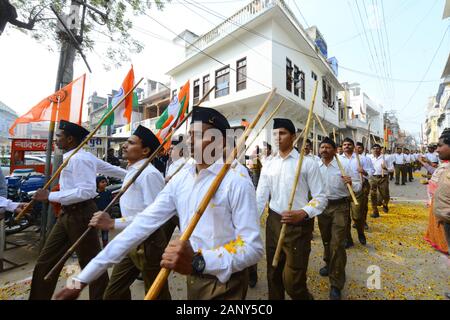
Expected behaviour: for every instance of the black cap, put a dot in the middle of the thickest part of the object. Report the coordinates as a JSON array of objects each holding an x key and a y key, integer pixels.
[
  {"x": 176, "y": 140},
  {"x": 73, "y": 129},
  {"x": 147, "y": 137},
  {"x": 210, "y": 116},
  {"x": 328, "y": 141},
  {"x": 284, "y": 123}
]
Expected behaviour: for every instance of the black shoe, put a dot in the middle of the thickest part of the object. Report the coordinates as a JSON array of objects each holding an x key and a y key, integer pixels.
[
  {"x": 403, "y": 184},
  {"x": 252, "y": 279},
  {"x": 385, "y": 209},
  {"x": 324, "y": 271},
  {"x": 375, "y": 215},
  {"x": 349, "y": 244},
  {"x": 397, "y": 183},
  {"x": 362, "y": 239},
  {"x": 335, "y": 293},
  {"x": 139, "y": 277},
  {"x": 366, "y": 227}
]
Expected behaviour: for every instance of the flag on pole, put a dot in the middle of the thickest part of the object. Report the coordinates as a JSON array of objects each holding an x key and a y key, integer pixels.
[
  {"x": 122, "y": 114},
  {"x": 174, "y": 113},
  {"x": 64, "y": 104}
]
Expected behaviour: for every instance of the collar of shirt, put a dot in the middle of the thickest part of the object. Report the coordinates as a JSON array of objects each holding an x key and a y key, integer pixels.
[
  {"x": 137, "y": 164},
  {"x": 68, "y": 153},
  {"x": 293, "y": 154}
]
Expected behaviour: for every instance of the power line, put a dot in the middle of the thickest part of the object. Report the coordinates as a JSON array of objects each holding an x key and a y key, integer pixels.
[
  {"x": 301, "y": 14},
  {"x": 426, "y": 72}
]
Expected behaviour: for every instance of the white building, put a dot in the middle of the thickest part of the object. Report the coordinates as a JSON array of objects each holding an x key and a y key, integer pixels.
[
  {"x": 262, "y": 46},
  {"x": 363, "y": 114}
]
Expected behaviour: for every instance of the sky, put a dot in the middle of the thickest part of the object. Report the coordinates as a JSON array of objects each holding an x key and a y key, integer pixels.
[{"x": 408, "y": 40}]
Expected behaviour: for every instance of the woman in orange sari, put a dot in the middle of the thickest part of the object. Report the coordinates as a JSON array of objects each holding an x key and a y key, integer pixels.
[{"x": 435, "y": 233}]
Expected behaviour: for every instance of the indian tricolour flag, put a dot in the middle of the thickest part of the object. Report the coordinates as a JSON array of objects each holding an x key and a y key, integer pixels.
[
  {"x": 122, "y": 114},
  {"x": 174, "y": 113}
]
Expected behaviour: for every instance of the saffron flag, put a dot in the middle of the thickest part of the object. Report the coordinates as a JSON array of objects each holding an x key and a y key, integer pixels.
[
  {"x": 64, "y": 104},
  {"x": 122, "y": 114},
  {"x": 174, "y": 113}
]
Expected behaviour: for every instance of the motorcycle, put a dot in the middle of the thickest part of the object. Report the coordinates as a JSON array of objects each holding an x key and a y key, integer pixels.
[{"x": 21, "y": 189}]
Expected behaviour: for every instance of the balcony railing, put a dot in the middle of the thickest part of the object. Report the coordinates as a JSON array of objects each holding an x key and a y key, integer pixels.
[{"x": 240, "y": 18}]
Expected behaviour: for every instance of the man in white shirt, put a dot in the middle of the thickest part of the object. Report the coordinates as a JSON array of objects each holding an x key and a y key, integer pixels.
[
  {"x": 177, "y": 157},
  {"x": 335, "y": 219},
  {"x": 389, "y": 158},
  {"x": 431, "y": 155},
  {"x": 267, "y": 153},
  {"x": 409, "y": 165},
  {"x": 275, "y": 185},
  {"x": 367, "y": 173},
  {"x": 360, "y": 169},
  {"x": 9, "y": 205},
  {"x": 226, "y": 239},
  {"x": 379, "y": 183},
  {"x": 146, "y": 257},
  {"x": 308, "y": 148},
  {"x": 77, "y": 190},
  {"x": 400, "y": 166}
]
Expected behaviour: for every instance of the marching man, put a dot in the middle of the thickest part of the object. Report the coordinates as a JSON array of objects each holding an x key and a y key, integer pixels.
[
  {"x": 226, "y": 240},
  {"x": 76, "y": 196},
  {"x": 334, "y": 221},
  {"x": 276, "y": 181},
  {"x": 146, "y": 257}
]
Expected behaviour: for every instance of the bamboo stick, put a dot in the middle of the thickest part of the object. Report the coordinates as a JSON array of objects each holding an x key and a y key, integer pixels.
[
  {"x": 86, "y": 140},
  {"x": 164, "y": 272},
  {"x": 122, "y": 191},
  {"x": 276, "y": 257},
  {"x": 334, "y": 135},
  {"x": 357, "y": 157}
]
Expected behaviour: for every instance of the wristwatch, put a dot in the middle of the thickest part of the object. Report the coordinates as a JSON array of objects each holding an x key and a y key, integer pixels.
[{"x": 198, "y": 263}]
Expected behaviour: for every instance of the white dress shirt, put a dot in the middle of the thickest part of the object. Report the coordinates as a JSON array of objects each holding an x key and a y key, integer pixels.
[
  {"x": 140, "y": 194},
  {"x": 389, "y": 159},
  {"x": 174, "y": 166},
  {"x": 77, "y": 180},
  {"x": 8, "y": 205},
  {"x": 377, "y": 163},
  {"x": 399, "y": 158},
  {"x": 432, "y": 157},
  {"x": 266, "y": 160},
  {"x": 227, "y": 234},
  {"x": 408, "y": 158},
  {"x": 366, "y": 164},
  {"x": 332, "y": 177},
  {"x": 277, "y": 179}
]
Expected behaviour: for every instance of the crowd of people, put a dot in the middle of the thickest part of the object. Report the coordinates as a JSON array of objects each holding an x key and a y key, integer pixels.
[{"x": 220, "y": 259}]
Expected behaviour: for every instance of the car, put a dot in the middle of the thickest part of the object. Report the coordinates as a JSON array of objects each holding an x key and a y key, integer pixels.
[{"x": 29, "y": 161}]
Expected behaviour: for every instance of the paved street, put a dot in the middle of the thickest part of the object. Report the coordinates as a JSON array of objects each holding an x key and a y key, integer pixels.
[{"x": 409, "y": 267}]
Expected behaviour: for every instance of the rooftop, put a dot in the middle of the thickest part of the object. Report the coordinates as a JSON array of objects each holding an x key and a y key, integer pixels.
[{"x": 4, "y": 107}]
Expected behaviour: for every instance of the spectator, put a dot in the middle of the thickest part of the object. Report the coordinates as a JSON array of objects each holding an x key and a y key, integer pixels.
[
  {"x": 111, "y": 158},
  {"x": 102, "y": 200}
]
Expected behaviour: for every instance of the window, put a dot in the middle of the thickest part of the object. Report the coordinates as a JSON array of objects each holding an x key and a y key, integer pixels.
[
  {"x": 206, "y": 86},
  {"x": 327, "y": 94},
  {"x": 223, "y": 82},
  {"x": 313, "y": 75},
  {"x": 296, "y": 80},
  {"x": 241, "y": 74},
  {"x": 302, "y": 85},
  {"x": 196, "y": 91},
  {"x": 288, "y": 75}
]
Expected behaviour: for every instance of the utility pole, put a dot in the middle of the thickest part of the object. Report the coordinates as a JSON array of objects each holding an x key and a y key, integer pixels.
[{"x": 70, "y": 41}]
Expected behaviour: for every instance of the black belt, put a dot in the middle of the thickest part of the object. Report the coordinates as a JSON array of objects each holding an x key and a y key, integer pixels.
[
  {"x": 210, "y": 276},
  {"x": 76, "y": 206},
  {"x": 338, "y": 201}
]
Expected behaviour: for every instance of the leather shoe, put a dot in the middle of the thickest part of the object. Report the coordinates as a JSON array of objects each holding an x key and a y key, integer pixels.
[
  {"x": 335, "y": 293},
  {"x": 362, "y": 239},
  {"x": 324, "y": 271},
  {"x": 375, "y": 215},
  {"x": 385, "y": 209},
  {"x": 349, "y": 243}
]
